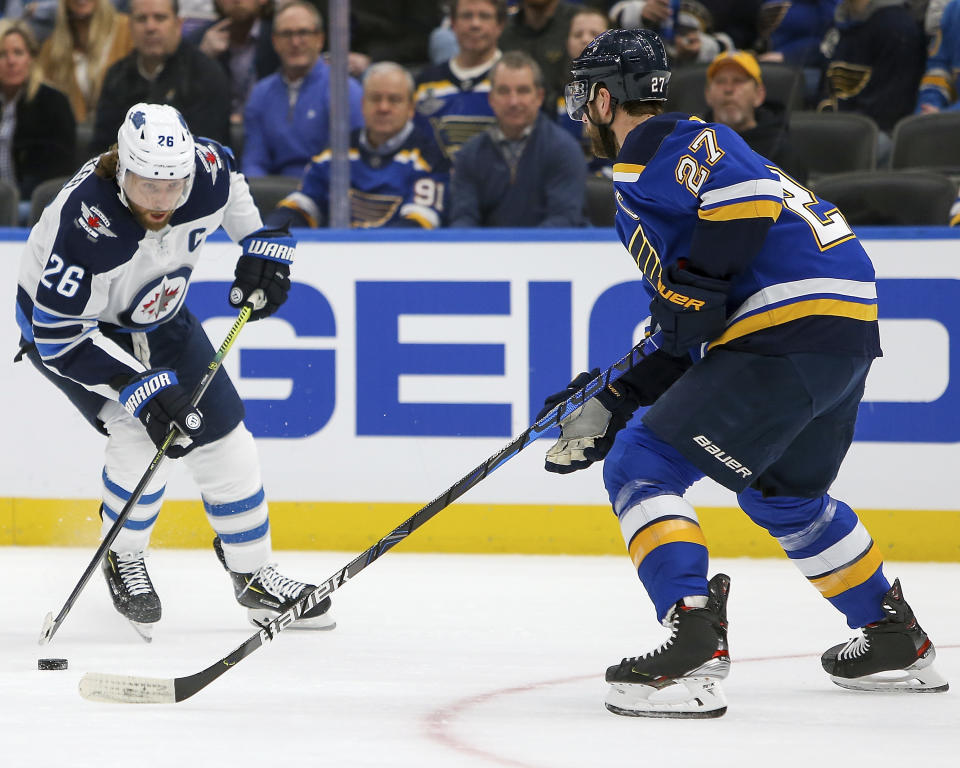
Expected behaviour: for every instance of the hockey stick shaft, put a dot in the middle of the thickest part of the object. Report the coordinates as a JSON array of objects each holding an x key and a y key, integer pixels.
[
  {"x": 51, "y": 625},
  {"x": 143, "y": 690}
]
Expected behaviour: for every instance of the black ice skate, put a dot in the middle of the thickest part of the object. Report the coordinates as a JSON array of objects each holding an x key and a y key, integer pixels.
[
  {"x": 266, "y": 594},
  {"x": 893, "y": 654},
  {"x": 681, "y": 677},
  {"x": 132, "y": 591}
]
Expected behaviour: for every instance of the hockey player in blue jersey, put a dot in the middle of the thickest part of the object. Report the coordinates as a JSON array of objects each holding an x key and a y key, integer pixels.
[
  {"x": 764, "y": 312},
  {"x": 398, "y": 177},
  {"x": 100, "y": 305}
]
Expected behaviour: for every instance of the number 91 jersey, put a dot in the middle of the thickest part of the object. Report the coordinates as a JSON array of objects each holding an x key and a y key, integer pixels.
[{"x": 800, "y": 281}]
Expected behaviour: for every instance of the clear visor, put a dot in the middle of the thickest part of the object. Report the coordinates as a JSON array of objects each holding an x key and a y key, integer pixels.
[
  {"x": 576, "y": 95},
  {"x": 154, "y": 194}
]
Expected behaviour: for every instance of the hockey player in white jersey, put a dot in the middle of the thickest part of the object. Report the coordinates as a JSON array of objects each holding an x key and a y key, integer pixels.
[{"x": 100, "y": 305}]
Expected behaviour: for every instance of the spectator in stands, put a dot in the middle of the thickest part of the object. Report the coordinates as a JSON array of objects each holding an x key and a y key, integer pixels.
[
  {"x": 539, "y": 28},
  {"x": 941, "y": 81},
  {"x": 650, "y": 14},
  {"x": 88, "y": 36},
  {"x": 39, "y": 14},
  {"x": 736, "y": 97},
  {"x": 391, "y": 30},
  {"x": 525, "y": 171},
  {"x": 287, "y": 118},
  {"x": 737, "y": 19},
  {"x": 240, "y": 41},
  {"x": 790, "y": 32},
  {"x": 875, "y": 53},
  {"x": 398, "y": 177},
  {"x": 585, "y": 25},
  {"x": 163, "y": 69},
  {"x": 452, "y": 99},
  {"x": 931, "y": 16},
  {"x": 955, "y": 214},
  {"x": 387, "y": 30},
  {"x": 37, "y": 129},
  {"x": 194, "y": 14},
  {"x": 687, "y": 28}
]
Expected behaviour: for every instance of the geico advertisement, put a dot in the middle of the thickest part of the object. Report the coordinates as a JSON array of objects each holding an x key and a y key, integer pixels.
[{"x": 396, "y": 367}]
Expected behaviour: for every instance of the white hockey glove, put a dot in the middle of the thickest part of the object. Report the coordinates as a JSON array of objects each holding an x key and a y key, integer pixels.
[{"x": 587, "y": 434}]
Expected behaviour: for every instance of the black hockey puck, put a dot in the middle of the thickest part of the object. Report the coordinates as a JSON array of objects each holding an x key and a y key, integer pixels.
[{"x": 51, "y": 663}]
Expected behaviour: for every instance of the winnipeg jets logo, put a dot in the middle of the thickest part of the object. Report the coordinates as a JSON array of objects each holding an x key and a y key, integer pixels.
[
  {"x": 159, "y": 301},
  {"x": 210, "y": 160},
  {"x": 94, "y": 222}
]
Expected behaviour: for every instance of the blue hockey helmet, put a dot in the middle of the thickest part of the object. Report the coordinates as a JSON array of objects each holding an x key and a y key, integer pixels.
[{"x": 631, "y": 63}]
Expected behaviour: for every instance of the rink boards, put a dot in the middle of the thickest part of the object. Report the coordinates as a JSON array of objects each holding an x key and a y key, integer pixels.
[{"x": 399, "y": 364}]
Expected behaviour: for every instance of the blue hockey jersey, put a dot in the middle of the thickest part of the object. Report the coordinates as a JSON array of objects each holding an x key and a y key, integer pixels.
[
  {"x": 89, "y": 267},
  {"x": 402, "y": 183},
  {"x": 941, "y": 80},
  {"x": 800, "y": 280},
  {"x": 453, "y": 107}
]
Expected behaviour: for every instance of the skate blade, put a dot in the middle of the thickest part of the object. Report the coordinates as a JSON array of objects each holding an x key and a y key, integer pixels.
[
  {"x": 910, "y": 680},
  {"x": 685, "y": 697},
  {"x": 260, "y": 617},
  {"x": 144, "y": 630}
]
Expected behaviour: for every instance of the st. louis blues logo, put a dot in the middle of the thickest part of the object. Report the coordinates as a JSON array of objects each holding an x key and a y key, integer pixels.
[
  {"x": 157, "y": 301},
  {"x": 94, "y": 222}
]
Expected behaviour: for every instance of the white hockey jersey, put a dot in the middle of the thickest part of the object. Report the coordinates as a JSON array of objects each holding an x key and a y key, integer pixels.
[{"x": 89, "y": 266}]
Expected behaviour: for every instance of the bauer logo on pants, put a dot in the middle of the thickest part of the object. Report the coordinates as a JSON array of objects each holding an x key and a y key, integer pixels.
[{"x": 720, "y": 455}]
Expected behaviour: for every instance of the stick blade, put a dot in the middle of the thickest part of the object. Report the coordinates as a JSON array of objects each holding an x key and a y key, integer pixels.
[
  {"x": 126, "y": 689},
  {"x": 46, "y": 631}
]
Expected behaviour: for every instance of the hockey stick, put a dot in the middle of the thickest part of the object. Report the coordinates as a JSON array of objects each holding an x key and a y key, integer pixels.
[
  {"x": 130, "y": 689},
  {"x": 50, "y": 624}
]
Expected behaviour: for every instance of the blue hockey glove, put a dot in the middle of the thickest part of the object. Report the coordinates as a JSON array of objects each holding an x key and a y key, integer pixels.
[
  {"x": 689, "y": 308},
  {"x": 157, "y": 399},
  {"x": 265, "y": 266}
]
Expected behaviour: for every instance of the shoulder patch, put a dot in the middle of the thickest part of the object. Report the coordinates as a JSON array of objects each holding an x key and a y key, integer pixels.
[
  {"x": 94, "y": 221},
  {"x": 210, "y": 159}
]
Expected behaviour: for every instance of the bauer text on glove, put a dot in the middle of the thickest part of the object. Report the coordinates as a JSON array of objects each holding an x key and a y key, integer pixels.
[{"x": 689, "y": 308}]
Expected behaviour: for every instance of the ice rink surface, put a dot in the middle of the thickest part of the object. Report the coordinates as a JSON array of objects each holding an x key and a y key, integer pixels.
[{"x": 453, "y": 660}]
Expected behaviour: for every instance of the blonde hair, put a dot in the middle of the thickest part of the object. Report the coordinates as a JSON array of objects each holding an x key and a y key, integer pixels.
[
  {"x": 22, "y": 28},
  {"x": 57, "y": 59},
  {"x": 106, "y": 167}
]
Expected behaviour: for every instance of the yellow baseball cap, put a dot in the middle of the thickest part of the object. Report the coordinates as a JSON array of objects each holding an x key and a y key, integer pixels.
[{"x": 746, "y": 61}]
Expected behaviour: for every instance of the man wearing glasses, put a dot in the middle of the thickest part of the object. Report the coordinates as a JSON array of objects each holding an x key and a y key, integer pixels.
[{"x": 286, "y": 121}]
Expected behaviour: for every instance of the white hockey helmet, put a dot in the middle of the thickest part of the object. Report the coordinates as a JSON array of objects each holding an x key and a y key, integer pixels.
[{"x": 155, "y": 144}]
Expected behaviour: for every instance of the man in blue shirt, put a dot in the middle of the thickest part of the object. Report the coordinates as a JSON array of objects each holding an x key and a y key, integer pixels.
[{"x": 287, "y": 118}]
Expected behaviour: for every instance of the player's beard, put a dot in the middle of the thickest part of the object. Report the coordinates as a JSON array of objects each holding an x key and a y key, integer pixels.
[
  {"x": 603, "y": 141},
  {"x": 145, "y": 220}
]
